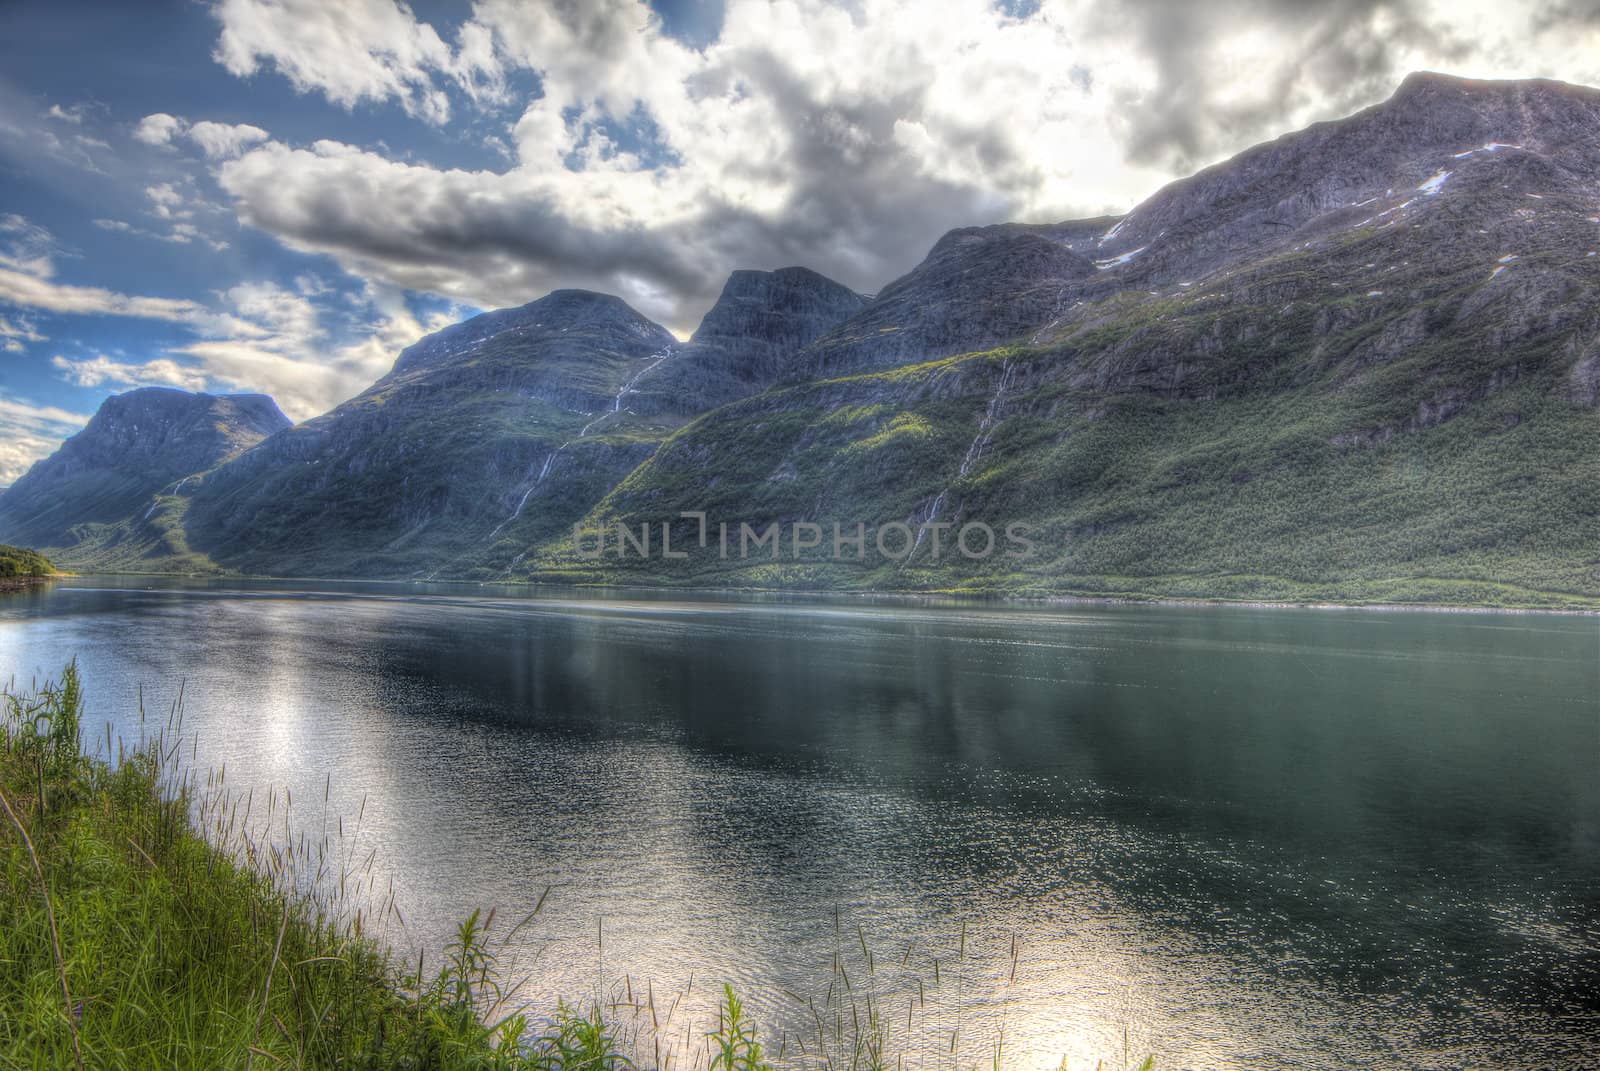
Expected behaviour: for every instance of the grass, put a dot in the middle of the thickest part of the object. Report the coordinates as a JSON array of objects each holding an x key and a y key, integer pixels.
[
  {"x": 128, "y": 939},
  {"x": 150, "y": 920}
]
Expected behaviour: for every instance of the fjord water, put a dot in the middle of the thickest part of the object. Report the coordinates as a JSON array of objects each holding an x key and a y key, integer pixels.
[{"x": 1235, "y": 838}]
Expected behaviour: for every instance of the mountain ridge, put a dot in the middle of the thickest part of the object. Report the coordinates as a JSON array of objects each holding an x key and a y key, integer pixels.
[
  {"x": 504, "y": 428},
  {"x": 1381, "y": 320}
]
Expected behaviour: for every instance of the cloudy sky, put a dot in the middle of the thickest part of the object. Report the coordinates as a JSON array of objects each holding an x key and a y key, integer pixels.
[{"x": 277, "y": 195}]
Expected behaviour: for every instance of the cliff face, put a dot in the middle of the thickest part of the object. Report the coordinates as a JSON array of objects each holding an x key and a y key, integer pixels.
[{"x": 748, "y": 340}]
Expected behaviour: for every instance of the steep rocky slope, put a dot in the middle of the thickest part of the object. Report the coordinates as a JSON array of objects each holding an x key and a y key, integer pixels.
[
  {"x": 492, "y": 435},
  {"x": 977, "y": 286},
  {"x": 747, "y": 341},
  {"x": 112, "y": 493},
  {"x": 476, "y": 426},
  {"x": 1360, "y": 362}
]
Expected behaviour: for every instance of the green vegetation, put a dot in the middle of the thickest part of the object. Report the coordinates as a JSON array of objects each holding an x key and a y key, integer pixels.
[
  {"x": 1269, "y": 436},
  {"x": 144, "y": 923},
  {"x": 15, "y": 562},
  {"x": 128, "y": 940}
]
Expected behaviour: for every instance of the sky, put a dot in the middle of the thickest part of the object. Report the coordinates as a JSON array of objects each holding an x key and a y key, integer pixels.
[{"x": 279, "y": 195}]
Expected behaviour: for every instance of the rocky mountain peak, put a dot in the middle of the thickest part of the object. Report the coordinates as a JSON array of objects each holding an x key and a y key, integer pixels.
[
  {"x": 584, "y": 313},
  {"x": 1425, "y": 88},
  {"x": 1431, "y": 122},
  {"x": 136, "y": 444},
  {"x": 747, "y": 340},
  {"x": 162, "y": 424},
  {"x": 978, "y": 286},
  {"x": 790, "y": 306}
]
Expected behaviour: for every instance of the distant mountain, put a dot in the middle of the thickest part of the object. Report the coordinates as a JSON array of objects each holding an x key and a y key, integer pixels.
[
  {"x": 1359, "y": 362},
  {"x": 101, "y": 493}
]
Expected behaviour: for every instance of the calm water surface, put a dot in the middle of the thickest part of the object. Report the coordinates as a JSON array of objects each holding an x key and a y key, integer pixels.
[{"x": 1234, "y": 838}]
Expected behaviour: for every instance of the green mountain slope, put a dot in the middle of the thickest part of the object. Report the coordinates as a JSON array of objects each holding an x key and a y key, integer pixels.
[{"x": 1392, "y": 398}]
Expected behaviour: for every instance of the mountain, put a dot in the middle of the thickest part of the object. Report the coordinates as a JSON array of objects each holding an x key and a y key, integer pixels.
[
  {"x": 978, "y": 286},
  {"x": 495, "y": 434},
  {"x": 475, "y": 427},
  {"x": 113, "y": 490},
  {"x": 1360, "y": 362},
  {"x": 746, "y": 342}
]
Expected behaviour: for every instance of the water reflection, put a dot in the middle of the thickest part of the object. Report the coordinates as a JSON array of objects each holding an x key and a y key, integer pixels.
[{"x": 1233, "y": 837}]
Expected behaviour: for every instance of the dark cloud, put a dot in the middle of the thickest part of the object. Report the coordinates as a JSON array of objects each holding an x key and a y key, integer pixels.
[
  {"x": 858, "y": 165},
  {"x": 858, "y": 205},
  {"x": 1565, "y": 14},
  {"x": 858, "y": 211},
  {"x": 1332, "y": 55}
]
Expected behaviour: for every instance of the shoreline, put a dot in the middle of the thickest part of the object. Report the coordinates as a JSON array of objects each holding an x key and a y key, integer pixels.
[
  {"x": 10, "y": 585},
  {"x": 924, "y": 597}
]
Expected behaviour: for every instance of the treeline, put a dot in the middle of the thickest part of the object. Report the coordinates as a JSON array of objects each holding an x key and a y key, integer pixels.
[{"x": 17, "y": 562}]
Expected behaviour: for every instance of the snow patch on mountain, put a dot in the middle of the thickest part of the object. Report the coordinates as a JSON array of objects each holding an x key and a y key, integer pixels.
[{"x": 1493, "y": 146}]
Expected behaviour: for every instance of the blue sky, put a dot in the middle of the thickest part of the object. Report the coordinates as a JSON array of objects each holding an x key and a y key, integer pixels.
[{"x": 278, "y": 195}]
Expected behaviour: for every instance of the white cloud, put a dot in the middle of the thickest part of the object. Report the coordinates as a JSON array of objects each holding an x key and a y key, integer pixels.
[
  {"x": 353, "y": 51},
  {"x": 843, "y": 136},
  {"x": 222, "y": 140},
  {"x": 101, "y": 369},
  {"x": 44, "y": 143},
  {"x": 159, "y": 129},
  {"x": 72, "y": 114},
  {"x": 27, "y": 280},
  {"x": 259, "y": 338},
  {"x": 167, "y": 203},
  {"x": 292, "y": 354},
  {"x": 22, "y": 413},
  {"x": 35, "y": 292},
  {"x": 180, "y": 233},
  {"x": 25, "y": 247},
  {"x": 17, "y": 332},
  {"x": 216, "y": 140},
  {"x": 254, "y": 336}
]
